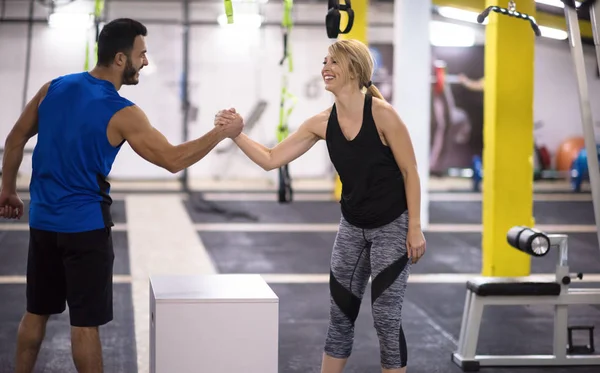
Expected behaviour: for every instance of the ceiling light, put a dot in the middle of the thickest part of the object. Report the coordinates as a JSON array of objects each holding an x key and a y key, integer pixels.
[
  {"x": 70, "y": 21},
  {"x": 459, "y": 14},
  {"x": 556, "y": 3},
  {"x": 443, "y": 34},
  {"x": 241, "y": 21},
  {"x": 553, "y": 33}
]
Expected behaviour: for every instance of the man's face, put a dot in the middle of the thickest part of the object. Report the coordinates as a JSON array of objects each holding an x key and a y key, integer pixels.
[{"x": 135, "y": 62}]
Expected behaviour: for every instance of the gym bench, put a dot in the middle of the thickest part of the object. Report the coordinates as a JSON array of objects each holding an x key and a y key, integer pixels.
[{"x": 505, "y": 291}]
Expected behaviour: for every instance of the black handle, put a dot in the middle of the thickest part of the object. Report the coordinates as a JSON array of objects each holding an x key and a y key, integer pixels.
[
  {"x": 285, "y": 191},
  {"x": 285, "y": 50},
  {"x": 483, "y": 15},
  {"x": 535, "y": 28},
  {"x": 503, "y": 11}
]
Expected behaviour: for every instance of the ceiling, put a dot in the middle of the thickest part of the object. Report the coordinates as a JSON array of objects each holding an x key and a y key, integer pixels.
[{"x": 543, "y": 8}]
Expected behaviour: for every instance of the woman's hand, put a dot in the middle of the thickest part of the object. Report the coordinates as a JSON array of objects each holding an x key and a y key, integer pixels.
[{"x": 415, "y": 243}]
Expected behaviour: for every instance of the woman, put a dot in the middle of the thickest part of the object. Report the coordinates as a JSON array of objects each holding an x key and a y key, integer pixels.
[{"x": 379, "y": 228}]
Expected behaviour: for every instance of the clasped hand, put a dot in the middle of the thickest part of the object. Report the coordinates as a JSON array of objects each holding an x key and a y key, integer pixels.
[{"x": 231, "y": 122}]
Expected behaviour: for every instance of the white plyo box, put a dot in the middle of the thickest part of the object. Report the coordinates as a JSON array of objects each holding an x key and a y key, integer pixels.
[{"x": 213, "y": 324}]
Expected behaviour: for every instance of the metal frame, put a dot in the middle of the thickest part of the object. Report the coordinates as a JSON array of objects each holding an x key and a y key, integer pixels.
[
  {"x": 185, "y": 102},
  {"x": 584, "y": 99},
  {"x": 466, "y": 356},
  {"x": 28, "y": 53}
]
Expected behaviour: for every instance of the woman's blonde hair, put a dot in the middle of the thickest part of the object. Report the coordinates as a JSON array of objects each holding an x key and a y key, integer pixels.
[{"x": 357, "y": 62}]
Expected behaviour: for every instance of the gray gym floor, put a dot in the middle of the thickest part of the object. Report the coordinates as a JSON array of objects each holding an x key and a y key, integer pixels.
[{"x": 290, "y": 244}]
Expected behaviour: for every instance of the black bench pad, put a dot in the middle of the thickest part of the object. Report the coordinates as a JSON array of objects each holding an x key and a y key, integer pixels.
[{"x": 507, "y": 286}]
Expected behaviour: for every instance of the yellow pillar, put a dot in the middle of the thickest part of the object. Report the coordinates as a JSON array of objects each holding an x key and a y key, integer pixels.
[
  {"x": 359, "y": 31},
  {"x": 507, "y": 139}
]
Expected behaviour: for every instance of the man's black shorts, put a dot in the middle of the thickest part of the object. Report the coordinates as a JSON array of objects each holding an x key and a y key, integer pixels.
[{"x": 76, "y": 268}]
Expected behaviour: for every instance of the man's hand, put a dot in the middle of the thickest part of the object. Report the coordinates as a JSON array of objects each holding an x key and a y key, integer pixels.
[
  {"x": 415, "y": 243},
  {"x": 232, "y": 122},
  {"x": 11, "y": 206}
]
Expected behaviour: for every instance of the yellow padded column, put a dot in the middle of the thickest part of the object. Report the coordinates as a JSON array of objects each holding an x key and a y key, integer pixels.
[
  {"x": 507, "y": 138},
  {"x": 359, "y": 31}
]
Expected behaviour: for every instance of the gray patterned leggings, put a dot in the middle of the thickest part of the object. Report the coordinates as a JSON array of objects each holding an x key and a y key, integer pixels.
[{"x": 357, "y": 255}]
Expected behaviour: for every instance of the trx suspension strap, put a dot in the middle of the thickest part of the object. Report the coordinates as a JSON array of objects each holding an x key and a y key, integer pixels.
[
  {"x": 228, "y": 10},
  {"x": 285, "y": 185},
  {"x": 98, "y": 8}
]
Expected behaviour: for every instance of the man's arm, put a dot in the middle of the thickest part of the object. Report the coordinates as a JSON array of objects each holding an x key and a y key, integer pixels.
[
  {"x": 24, "y": 129},
  {"x": 133, "y": 125},
  {"x": 398, "y": 138}
]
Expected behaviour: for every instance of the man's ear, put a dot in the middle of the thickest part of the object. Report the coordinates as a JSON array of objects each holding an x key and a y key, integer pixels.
[{"x": 120, "y": 59}]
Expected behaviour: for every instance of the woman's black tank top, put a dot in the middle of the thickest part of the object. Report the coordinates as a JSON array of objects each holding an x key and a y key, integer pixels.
[{"x": 373, "y": 192}]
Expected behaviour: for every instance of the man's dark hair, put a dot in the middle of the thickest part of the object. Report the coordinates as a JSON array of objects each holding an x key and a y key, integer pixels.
[{"x": 118, "y": 36}]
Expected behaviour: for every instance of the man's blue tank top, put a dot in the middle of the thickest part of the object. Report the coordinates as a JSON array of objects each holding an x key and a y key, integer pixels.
[{"x": 72, "y": 158}]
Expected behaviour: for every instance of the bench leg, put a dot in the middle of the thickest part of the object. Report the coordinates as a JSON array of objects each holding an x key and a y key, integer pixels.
[
  {"x": 463, "y": 324},
  {"x": 561, "y": 316},
  {"x": 473, "y": 324}
]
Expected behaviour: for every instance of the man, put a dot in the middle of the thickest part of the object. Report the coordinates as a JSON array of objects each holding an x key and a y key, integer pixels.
[{"x": 82, "y": 122}]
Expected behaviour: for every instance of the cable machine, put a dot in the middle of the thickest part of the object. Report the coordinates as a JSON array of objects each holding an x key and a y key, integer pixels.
[{"x": 485, "y": 292}]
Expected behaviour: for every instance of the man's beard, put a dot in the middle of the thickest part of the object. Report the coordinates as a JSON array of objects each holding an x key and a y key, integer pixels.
[{"x": 129, "y": 74}]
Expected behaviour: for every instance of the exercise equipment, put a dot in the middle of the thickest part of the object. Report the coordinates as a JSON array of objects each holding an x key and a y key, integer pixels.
[
  {"x": 97, "y": 15},
  {"x": 567, "y": 152},
  {"x": 579, "y": 169},
  {"x": 334, "y": 17},
  {"x": 584, "y": 100},
  {"x": 504, "y": 291},
  {"x": 228, "y": 11},
  {"x": 196, "y": 198},
  {"x": 511, "y": 11},
  {"x": 488, "y": 291},
  {"x": 285, "y": 192}
]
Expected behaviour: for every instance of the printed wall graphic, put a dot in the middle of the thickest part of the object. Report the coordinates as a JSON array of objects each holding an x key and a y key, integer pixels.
[
  {"x": 456, "y": 101},
  {"x": 383, "y": 54},
  {"x": 456, "y": 107}
]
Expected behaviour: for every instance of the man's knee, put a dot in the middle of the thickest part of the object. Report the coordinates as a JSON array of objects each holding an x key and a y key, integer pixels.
[
  {"x": 83, "y": 336},
  {"x": 35, "y": 319},
  {"x": 85, "y": 330},
  {"x": 32, "y": 329}
]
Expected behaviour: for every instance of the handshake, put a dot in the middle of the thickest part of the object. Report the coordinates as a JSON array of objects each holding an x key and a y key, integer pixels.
[{"x": 229, "y": 122}]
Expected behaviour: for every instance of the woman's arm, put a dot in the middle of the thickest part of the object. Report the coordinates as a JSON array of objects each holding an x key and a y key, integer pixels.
[
  {"x": 398, "y": 138},
  {"x": 296, "y": 144}
]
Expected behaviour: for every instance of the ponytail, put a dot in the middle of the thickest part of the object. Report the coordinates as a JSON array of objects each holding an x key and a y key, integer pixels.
[{"x": 373, "y": 91}]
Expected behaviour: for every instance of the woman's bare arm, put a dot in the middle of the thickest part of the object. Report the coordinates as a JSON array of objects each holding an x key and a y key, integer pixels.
[{"x": 295, "y": 145}]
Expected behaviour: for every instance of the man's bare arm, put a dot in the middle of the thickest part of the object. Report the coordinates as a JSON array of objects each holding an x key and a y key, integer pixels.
[
  {"x": 133, "y": 125},
  {"x": 24, "y": 129}
]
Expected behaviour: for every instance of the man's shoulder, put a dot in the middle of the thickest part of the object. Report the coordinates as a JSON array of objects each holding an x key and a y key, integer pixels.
[{"x": 128, "y": 114}]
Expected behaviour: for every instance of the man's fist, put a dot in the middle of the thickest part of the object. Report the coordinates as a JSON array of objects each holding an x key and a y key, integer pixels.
[
  {"x": 232, "y": 122},
  {"x": 11, "y": 206}
]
